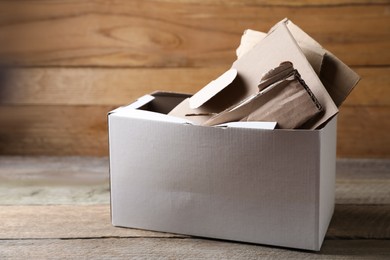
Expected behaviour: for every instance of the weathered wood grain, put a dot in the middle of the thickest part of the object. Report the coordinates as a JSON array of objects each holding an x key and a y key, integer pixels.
[
  {"x": 69, "y": 86},
  {"x": 360, "y": 222},
  {"x": 120, "y": 50},
  {"x": 300, "y": 3},
  {"x": 53, "y": 180},
  {"x": 373, "y": 88},
  {"x": 363, "y": 169},
  {"x": 179, "y": 33},
  {"x": 184, "y": 248},
  {"x": 84, "y": 180},
  {"x": 363, "y": 182},
  {"x": 64, "y": 221},
  {"x": 55, "y": 86},
  {"x": 93, "y": 221},
  {"x": 82, "y": 130},
  {"x": 363, "y": 132},
  {"x": 55, "y": 130},
  {"x": 68, "y": 170}
]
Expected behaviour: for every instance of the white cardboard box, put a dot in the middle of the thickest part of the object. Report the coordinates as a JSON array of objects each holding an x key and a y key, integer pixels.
[{"x": 273, "y": 187}]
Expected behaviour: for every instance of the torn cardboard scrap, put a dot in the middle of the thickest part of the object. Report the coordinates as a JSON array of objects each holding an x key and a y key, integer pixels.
[
  {"x": 306, "y": 96},
  {"x": 283, "y": 97},
  {"x": 338, "y": 78}
]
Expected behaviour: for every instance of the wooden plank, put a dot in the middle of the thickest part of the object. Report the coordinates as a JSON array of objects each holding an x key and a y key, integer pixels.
[
  {"x": 82, "y": 130},
  {"x": 55, "y": 130},
  {"x": 84, "y": 180},
  {"x": 373, "y": 88},
  {"x": 92, "y": 221},
  {"x": 364, "y": 132},
  {"x": 56, "y": 86},
  {"x": 24, "y": 193},
  {"x": 300, "y": 3},
  {"x": 53, "y": 180},
  {"x": 363, "y": 182},
  {"x": 360, "y": 222},
  {"x": 363, "y": 169},
  {"x": 179, "y": 33},
  {"x": 179, "y": 248},
  {"x": 65, "y": 221},
  {"x": 97, "y": 86},
  {"x": 69, "y": 170}
]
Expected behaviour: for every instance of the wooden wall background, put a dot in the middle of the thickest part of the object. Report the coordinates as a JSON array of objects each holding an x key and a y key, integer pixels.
[{"x": 65, "y": 63}]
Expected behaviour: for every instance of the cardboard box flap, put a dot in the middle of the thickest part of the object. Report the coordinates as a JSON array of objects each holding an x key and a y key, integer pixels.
[
  {"x": 152, "y": 107},
  {"x": 313, "y": 51},
  {"x": 214, "y": 98},
  {"x": 338, "y": 78},
  {"x": 279, "y": 46},
  {"x": 149, "y": 115},
  {"x": 197, "y": 116},
  {"x": 250, "y": 125},
  {"x": 141, "y": 109},
  {"x": 211, "y": 89},
  {"x": 248, "y": 40}
]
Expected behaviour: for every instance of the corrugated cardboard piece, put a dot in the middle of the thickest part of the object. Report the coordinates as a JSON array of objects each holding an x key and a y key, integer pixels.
[
  {"x": 283, "y": 96},
  {"x": 259, "y": 54},
  {"x": 338, "y": 78}
]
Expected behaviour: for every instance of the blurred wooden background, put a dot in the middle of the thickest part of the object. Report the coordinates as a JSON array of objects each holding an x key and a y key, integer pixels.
[{"x": 65, "y": 64}]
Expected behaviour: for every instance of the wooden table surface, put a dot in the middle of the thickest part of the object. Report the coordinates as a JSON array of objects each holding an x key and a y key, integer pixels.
[{"x": 58, "y": 207}]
